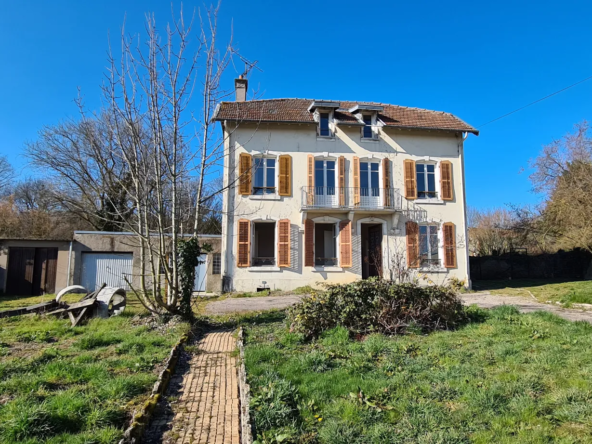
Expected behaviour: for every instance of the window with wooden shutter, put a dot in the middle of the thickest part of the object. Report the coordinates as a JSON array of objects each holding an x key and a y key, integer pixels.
[
  {"x": 285, "y": 182},
  {"x": 245, "y": 167},
  {"x": 345, "y": 244},
  {"x": 446, "y": 180},
  {"x": 341, "y": 181},
  {"x": 356, "y": 180},
  {"x": 410, "y": 181},
  {"x": 309, "y": 226},
  {"x": 310, "y": 182},
  {"x": 449, "y": 245},
  {"x": 243, "y": 239},
  {"x": 284, "y": 243},
  {"x": 412, "y": 230},
  {"x": 386, "y": 181}
]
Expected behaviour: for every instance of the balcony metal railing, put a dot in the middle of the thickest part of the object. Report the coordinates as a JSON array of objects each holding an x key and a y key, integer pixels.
[{"x": 350, "y": 198}]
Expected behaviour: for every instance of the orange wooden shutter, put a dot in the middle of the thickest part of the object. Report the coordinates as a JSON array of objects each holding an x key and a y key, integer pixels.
[
  {"x": 410, "y": 180},
  {"x": 446, "y": 180},
  {"x": 284, "y": 243},
  {"x": 285, "y": 182},
  {"x": 345, "y": 243},
  {"x": 341, "y": 181},
  {"x": 412, "y": 230},
  {"x": 356, "y": 181},
  {"x": 309, "y": 243},
  {"x": 310, "y": 179},
  {"x": 245, "y": 166},
  {"x": 243, "y": 255},
  {"x": 449, "y": 245},
  {"x": 386, "y": 181}
]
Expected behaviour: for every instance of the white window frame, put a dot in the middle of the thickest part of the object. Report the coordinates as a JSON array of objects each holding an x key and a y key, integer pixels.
[
  {"x": 440, "y": 246},
  {"x": 275, "y": 176},
  {"x": 331, "y": 122},
  {"x": 373, "y": 126},
  {"x": 437, "y": 197},
  {"x": 274, "y": 267},
  {"x": 380, "y": 198}
]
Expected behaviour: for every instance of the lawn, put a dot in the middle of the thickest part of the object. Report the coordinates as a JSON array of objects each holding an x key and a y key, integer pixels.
[
  {"x": 565, "y": 292},
  {"x": 76, "y": 385},
  {"x": 503, "y": 378}
]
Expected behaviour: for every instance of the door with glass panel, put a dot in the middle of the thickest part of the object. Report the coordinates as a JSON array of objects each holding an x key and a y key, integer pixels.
[
  {"x": 369, "y": 185},
  {"x": 325, "y": 193}
]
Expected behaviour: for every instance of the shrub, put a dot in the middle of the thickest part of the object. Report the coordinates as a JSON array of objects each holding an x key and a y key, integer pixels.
[
  {"x": 276, "y": 404},
  {"x": 380, "y": 306}
]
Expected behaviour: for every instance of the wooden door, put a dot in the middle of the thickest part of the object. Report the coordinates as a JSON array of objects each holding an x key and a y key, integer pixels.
[
  {"x": 20, "y": 271},
  {"x": 375, "y": 250}
]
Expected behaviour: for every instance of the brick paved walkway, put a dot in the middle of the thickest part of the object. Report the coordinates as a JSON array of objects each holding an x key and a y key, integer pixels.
[{"x": 202, "y": 403}]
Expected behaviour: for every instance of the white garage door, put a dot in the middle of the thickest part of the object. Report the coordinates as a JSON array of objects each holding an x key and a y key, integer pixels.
[
  {"x": 106, "y": 268},
  {"x": 201, "y": 274}
]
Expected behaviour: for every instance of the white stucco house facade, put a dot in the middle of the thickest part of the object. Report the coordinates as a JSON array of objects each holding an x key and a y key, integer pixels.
[{"x": 335, "y": 191}]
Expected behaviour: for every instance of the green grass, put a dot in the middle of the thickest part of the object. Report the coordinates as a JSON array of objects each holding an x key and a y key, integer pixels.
[
  {"x": 75, "y": 385},
  {"x": 543, "y": 290},
  {"x": 503, "y": 378}
]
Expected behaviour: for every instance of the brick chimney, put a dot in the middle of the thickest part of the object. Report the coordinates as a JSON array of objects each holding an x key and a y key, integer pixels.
[{"x": 240, "y": 88}]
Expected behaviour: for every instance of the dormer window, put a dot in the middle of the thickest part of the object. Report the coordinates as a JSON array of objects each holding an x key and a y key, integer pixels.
[
  {"x": 367, "y": 132},
  {"x": 324, "y": 129}
]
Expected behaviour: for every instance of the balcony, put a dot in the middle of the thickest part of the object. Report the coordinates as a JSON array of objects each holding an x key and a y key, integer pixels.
[{"x": 386, "y": 200}]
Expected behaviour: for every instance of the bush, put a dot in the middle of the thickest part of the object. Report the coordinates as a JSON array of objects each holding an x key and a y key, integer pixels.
[{"x": 380, "y": 306}]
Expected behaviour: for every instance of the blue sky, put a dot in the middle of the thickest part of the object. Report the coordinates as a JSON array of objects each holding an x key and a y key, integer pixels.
[{"x": 477, "y": 60}]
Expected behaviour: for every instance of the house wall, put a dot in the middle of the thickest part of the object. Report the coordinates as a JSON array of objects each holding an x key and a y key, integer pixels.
[
  {"x": 299, "y": 140},
  {"x": 62, "y": 263},
  {"x": 128, "y": 243}
]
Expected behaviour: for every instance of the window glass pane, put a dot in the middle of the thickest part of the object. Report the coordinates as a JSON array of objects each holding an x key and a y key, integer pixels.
[
  {"x": 368, "y": 120},
  {"x": 374, "y": 181},
  {"x": 330, "y": 164},
  {"x": 374, "y": 166},
  {"x": 319, "y": 176},
  {"x": 431, "y": 181},
  {"x": 433, "y": 243},
  {"x": 330, "y": 179},
  {"x": 423, "y": 240},
  {"x": 430, "y": 168},
  {"x": 270, "y": 173},
  {"x": 363, "y": 166},
  {"x": 258, "y": 182},
  {"x": 420, "y": 179},
  {"x": 324, "y": 124},
  {"x": 364, "y": 179}
]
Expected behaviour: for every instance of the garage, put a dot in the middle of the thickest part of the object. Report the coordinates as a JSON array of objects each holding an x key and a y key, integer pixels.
[{"x": 106, "y": 268}]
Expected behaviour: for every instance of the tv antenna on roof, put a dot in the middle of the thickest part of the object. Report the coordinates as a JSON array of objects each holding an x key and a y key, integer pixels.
[{"x": 248, "y": 66}]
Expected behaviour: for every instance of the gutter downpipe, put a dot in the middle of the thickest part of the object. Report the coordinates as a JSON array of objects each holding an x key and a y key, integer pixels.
[
  {"x": 462, "y": 158},
  {"x": 69, "y": 264}
]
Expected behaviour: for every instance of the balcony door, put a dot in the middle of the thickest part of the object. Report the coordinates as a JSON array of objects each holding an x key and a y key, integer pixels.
[
  {"x": 369, "y": 185},
  {"x": 325, "y": 192}
]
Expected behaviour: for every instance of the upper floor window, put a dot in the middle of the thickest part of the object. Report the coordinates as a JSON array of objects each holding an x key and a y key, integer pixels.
[
  {"x": 264, "y": 182},
  {"x": 369, "y": 179},
  {"x": 426, "y": 180},
  {"x": 324, "y": 129},
  {"x": 367, "y": 132},
  {"x": 428, "y": 246}
]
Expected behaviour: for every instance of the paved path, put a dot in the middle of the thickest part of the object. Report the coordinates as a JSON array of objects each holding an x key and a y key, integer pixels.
[
  {"x": 243, "y": 305},
  {"x": 525, "y": 305},
  {"x": 201, "y": 405}
]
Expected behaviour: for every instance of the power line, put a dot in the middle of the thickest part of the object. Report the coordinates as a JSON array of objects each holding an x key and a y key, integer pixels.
[{"x": 536, "y": 101}]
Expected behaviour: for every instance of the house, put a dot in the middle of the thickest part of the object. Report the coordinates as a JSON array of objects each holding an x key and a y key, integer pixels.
[
  {"x": 31, "y": 267},
  {"x": 335, "y": 191}
]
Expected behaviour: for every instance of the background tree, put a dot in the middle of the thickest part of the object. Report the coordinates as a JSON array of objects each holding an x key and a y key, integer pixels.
[{"x": 6, "y": 175}]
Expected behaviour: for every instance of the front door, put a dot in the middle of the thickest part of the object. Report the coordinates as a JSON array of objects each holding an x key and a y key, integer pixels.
[{"x": 375, "y": 250}]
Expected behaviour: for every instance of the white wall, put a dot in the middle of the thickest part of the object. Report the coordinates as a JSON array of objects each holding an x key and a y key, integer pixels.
[{"x": 299, "y": 140}]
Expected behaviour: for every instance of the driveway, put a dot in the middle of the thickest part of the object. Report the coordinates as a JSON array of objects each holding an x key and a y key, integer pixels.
[{"x": 483, "y": 300}]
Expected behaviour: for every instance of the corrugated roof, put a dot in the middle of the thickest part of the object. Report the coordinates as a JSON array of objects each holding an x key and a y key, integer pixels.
[{"x": 296, "y": 111}]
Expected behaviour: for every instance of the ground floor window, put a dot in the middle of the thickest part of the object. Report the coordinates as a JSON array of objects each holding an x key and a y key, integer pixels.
[
  {"x": 263, "y": 244},
  {"x": 325, "y": 245},
  {"x": 428, "y": 246},
  {"x": 216, "y": 263}
]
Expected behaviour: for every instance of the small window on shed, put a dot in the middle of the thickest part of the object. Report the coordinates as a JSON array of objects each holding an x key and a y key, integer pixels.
[{"x": 216, "y": 263}]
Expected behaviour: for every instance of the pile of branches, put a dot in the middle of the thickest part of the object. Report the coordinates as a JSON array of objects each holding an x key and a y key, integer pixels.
[{"x": 381, "y": 306}]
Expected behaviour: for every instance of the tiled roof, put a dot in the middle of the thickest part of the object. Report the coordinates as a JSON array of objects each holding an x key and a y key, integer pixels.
[{"x": 296, "y": 111}]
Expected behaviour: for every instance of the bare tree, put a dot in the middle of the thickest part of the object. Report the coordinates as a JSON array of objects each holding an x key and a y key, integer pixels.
[{"x": 6, "y": 175}]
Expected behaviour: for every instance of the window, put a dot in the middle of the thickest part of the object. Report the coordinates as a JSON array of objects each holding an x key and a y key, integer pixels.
[
  {"x": 367, "y": 131},
  {"x": 325, "y": 179},
  {"x": 264, "y": 176},
  {"x": 216, "y": 263},
  {"x": 369, "y": 179},
  {"x": 324, "y": 130},
  {"x": 264, "y": 244},
  {"x": 428, "y": 246},
  {"x": 426, "y": 180},
  {"x": 325, "y": 245}
]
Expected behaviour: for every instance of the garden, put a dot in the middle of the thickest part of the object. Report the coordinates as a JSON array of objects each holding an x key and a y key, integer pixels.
[
  {"x": 358, "y": 365},
  {"x": 78, "y": 385}
]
